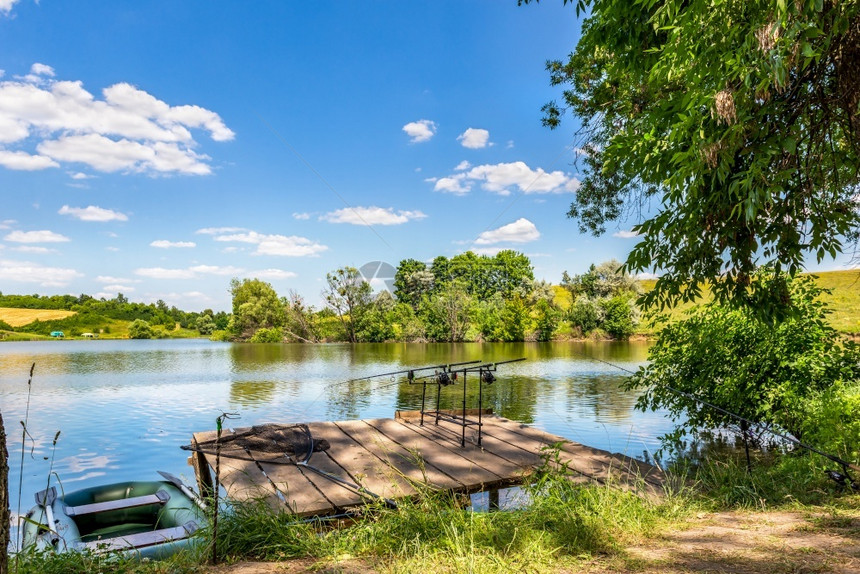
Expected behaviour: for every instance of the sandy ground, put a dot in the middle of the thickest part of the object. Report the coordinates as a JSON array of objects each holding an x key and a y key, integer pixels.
[{"x": 720, "y": 543}]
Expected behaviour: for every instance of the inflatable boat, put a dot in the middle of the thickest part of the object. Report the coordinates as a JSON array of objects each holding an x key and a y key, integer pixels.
[{"x": 151, "y": 519}]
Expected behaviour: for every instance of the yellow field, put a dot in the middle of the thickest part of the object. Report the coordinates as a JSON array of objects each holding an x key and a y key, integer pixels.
[{"x": 20, "y": 317}]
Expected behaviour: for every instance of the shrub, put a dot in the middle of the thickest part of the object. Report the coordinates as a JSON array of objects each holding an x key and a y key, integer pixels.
[
  {"x": 139, "y": 329},
  {"x": 267, "y": 335}
]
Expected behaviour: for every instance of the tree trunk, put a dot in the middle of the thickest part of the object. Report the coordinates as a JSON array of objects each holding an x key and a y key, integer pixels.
[{"x": 4, "y": 501}]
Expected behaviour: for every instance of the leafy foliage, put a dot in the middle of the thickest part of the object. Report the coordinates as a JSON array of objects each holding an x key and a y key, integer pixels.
[
  {"x": 348, "y": 295},
  {"x": 776, "y": 375},
  {"x": 736, "y": 120},
  {"x": 255, "y": 306},
  {"x": 140, "y": 329}
]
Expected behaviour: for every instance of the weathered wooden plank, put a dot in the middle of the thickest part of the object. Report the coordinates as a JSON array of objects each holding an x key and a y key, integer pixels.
[
  {"x": 506, "y": 470},
  {"x": 201, "y": 471},
  {"x": 406, "y": 463},
  {"x": 588, "y": 459},
  {"x": 302, "y": 497},
  {"x": 360, "y": 465},
  {"x": 449, "y": 412},
  {"x": 242, "y": 479},
  {"x": 522, "y": 457},
  {"x": 451, "y": 462}
]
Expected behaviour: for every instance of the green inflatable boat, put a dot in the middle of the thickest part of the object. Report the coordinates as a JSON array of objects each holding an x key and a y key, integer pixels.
[{"x": 151, "y": 519}]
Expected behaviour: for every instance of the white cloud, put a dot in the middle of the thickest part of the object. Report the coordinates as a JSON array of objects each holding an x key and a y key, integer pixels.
[
  {"x": 456, "y": 184},
  {"x": 420, "y": 131},
  {"x": 463, "y": 165},
  {"x": 162, "y": 273},
  {"x": 38, "y": 69},
  {"x": 271, "y": 274},
  {"x": 43, "y": 236},
  {"x": 27, "y": 272},
  {"x": 33, "y": 249},
  {"x": 499, "y": 178},
  {"x": 625, "y": 234},
  {"x": 287, "y": 246},
  {"x": 187, "y": 273},
  {"x": 23, "y": 161},
  {"x": 111, "y": 248},
  {"x": 520, "y": 231},
  {"x": 80, "y": 175},
  {"x": 128, "y": 130},
  {"x": 510, "y": 144},
  {"x": 474, "y": 138},
  {"x": 219, "y": 230},
  {"x": 93, "y": 213},
  {"x": 118, "y": 288},
  {"x": 216, "y": 270},
  {"x": 110, "y": 279},
  {"x": 7, "y": 223},
  {"x": 6, "y": 7},
  {"x": 301, "y": 216},
  {"x": 165, "y": 244},
  {"x": 371, "y": 216}
]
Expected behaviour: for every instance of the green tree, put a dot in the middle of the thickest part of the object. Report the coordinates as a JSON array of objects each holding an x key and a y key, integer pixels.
[
  {"x": 768, "y": 374},
  {"x": 737, "y": 121},
  {"x": 446, "y": 314},
  {"x": 140, "y": 329},
  {"x": 205, "y": 325},
  {"x": 255, "y": 305},
  {"x": 348, "y": 295},
  {"x": 411, "y": 280},
  {"x": 620, "y": 316}
]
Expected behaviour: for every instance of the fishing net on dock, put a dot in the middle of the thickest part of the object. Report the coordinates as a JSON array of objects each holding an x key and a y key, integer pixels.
[{"x": 272, "y": 443}]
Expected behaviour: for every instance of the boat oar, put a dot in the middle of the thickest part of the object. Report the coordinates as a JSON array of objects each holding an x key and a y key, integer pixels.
[{"x": 177, "y": 482}]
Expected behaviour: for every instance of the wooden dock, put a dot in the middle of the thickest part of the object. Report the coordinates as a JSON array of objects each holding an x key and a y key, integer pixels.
[{"x": 396, "y": 458}]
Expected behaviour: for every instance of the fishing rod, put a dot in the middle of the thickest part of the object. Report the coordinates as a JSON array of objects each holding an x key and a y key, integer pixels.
[
  {"x": 444, "y": 380},
  {"x": 842, "y": 479},
  {"x": 447, "y": 367}
]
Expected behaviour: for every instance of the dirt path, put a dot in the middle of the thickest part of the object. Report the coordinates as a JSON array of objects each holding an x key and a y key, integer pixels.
[{"x": 720, "y": 543}]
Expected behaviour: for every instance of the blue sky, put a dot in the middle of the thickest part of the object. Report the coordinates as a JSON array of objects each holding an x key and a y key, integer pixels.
[{"x": 160, "y": 148}]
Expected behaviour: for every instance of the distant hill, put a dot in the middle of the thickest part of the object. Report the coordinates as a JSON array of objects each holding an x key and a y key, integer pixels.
[{"x": 843, "y": 301}]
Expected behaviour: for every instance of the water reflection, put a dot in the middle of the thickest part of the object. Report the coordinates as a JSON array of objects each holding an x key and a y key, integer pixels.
[{"x": 125, "y": 407}]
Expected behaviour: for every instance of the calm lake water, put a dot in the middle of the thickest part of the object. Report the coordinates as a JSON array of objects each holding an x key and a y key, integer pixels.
[{"x": 123, "y": 408}]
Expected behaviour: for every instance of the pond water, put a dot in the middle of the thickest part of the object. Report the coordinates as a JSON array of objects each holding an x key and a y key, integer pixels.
[{"x": 123, "y": 408}]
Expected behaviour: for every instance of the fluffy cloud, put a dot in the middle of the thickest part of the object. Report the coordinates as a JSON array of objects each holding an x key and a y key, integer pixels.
[
  {"x": 371, "y": 216},
  {"x": 165, "y": 244},
  {"x": 128, "y": 130},
  {"x": 109, "y": 279},
  {"x": 187, "y": 273},
  {"x": 301, "y": 216},
  {"x": 271, "y": 274},
  {"x": 118, "y": 288},
  {"x": 6, "y": 6},
  {"x": 93, "y": 213},
  {"x": 23, "y": 161},
  {"x": 625, "y": 234},
  {"x": 43, "y": 236},
  {"x": 520, "y": 231},
  {"x": 462, "y": 166},
  {"x": 219, "y": 230},
  {"x": 499, "y": 178},
  {"x": 27, "y": 272},
  {"x": 456, "y": 184},
  {"x": 474, "y": 138},
  {"x": 284, "y": 245},
  {"x": 33, "y": 249},
  {"x": 420, "y": 131}
]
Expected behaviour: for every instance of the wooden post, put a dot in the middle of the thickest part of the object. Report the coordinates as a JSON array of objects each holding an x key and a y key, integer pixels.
[
  {"x": 201, "y": 471},
  {"x": 4, "y": 501}
]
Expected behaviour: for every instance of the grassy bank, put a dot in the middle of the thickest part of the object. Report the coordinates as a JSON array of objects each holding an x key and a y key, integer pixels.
[
  {"x": 843, "y": 301},
  {"x": 564, "y": 528}
]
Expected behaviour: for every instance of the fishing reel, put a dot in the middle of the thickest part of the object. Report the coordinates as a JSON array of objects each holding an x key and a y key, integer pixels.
[
  {"x": 487, "y": 377},
  {"x": 443, "y": 379}
]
